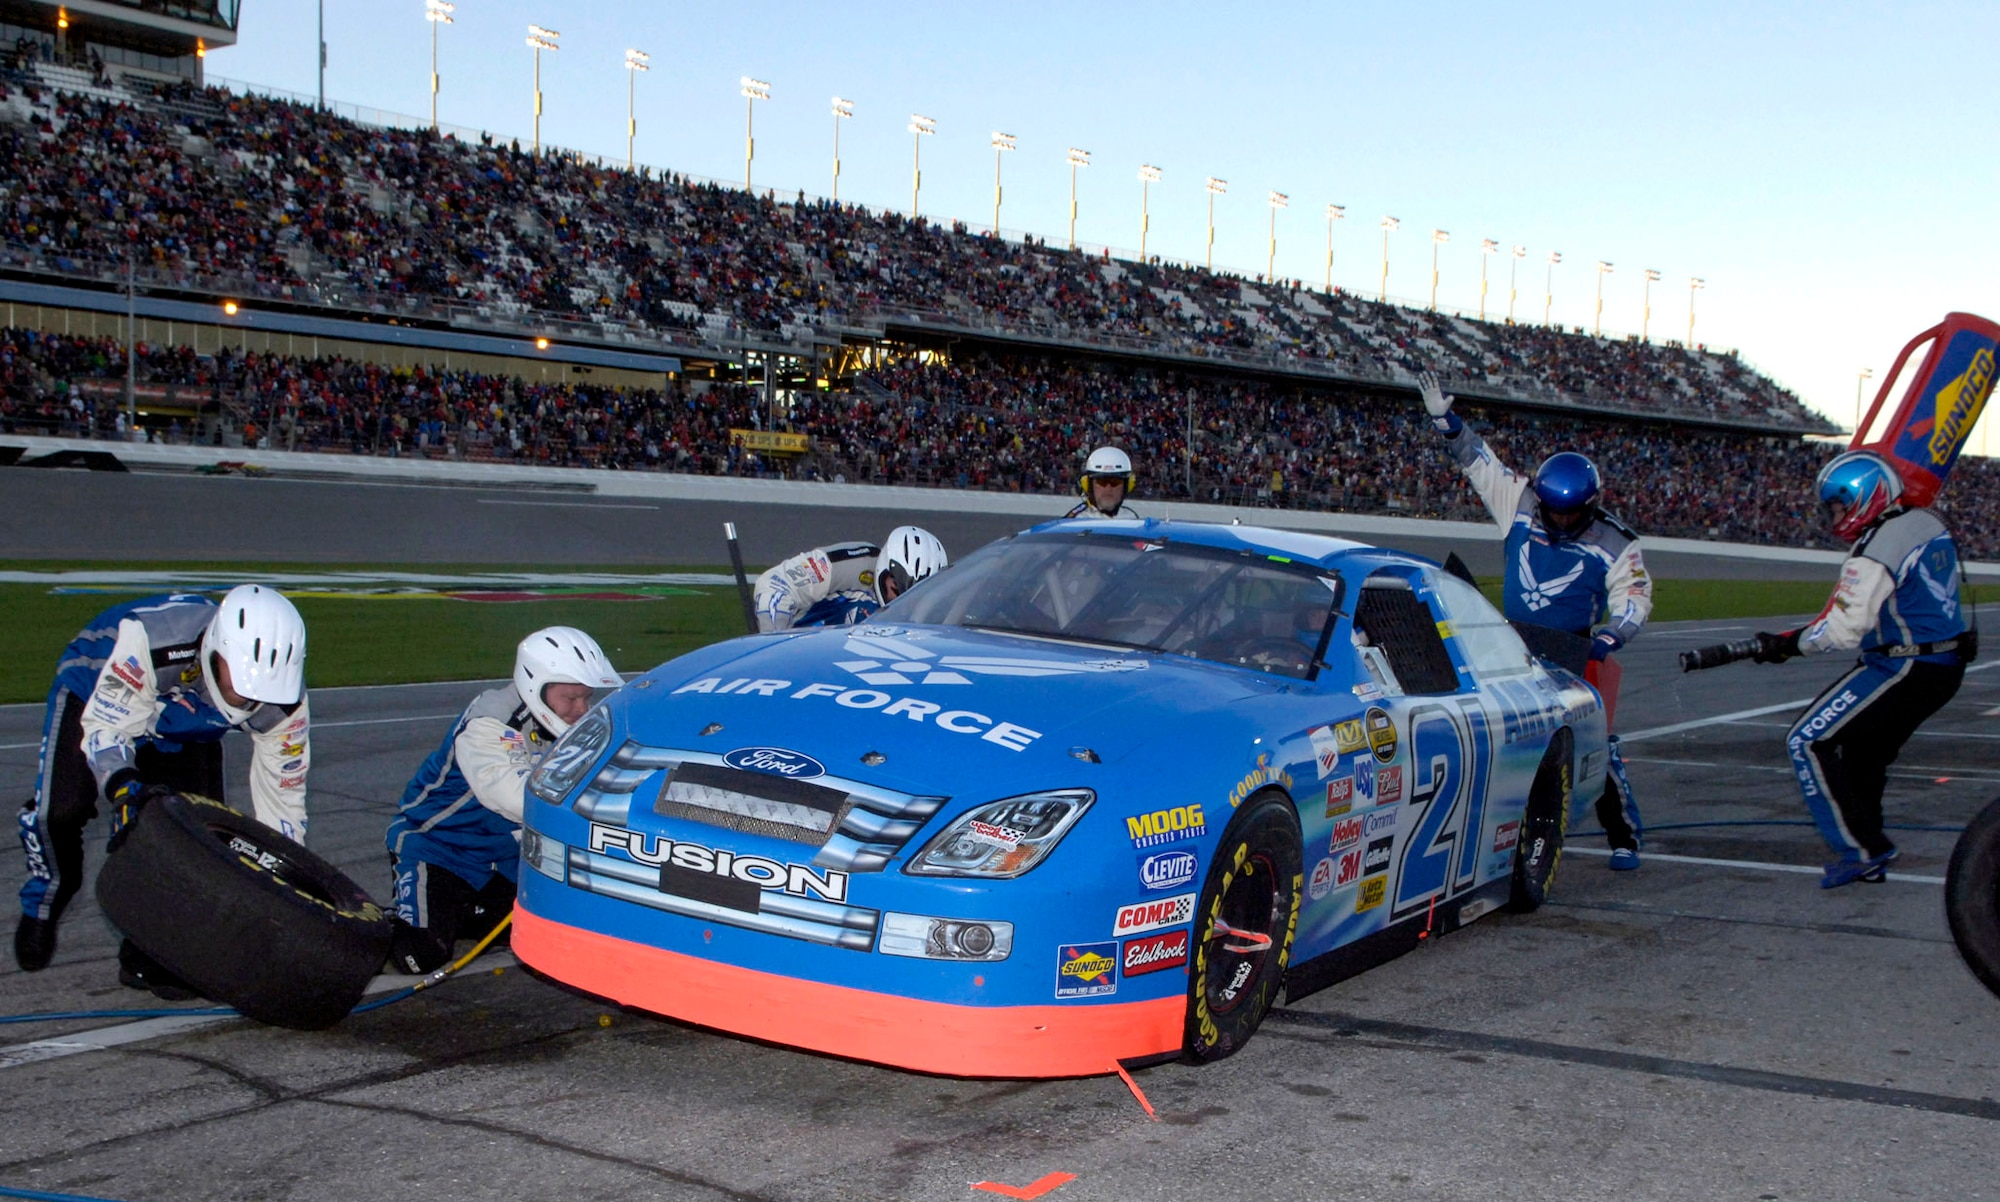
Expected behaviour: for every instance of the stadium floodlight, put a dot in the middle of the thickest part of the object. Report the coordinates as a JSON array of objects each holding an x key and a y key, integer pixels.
[
  {"x": 920, "y": 128},
  {"x": 1438, "y": 238},
  {"x": 1487, "y": 246},
  {"x": 635, "y": 62},
  {"x": 437, "y": 12},
  {"x": 1549, "y": 289},
  {"x": 1277, "y": 200},
  {"x": 842, "y": 110},
  {"x": 1695, "y": 284},
  {"x": 1000, "y": 142},
  {"x": 1389, "y": 226},
  {"x": 752, "y": 90},
  {"x": 1077, "y": 158},
  {"x": 1646, "y": 315},
  {"x": 1513, "y": 276},
  {"x": 1216, "y": 187},
  {"x": 1597, "y": 322},
  {"x": 540, "y": 39},
  {"x": 1148, "y": 176},
  {"x": 1333, "y": 213}
]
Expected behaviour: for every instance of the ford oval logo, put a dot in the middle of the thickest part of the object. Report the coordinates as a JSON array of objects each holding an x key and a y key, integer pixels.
[
  {"x": 1167, "y": 869},
  {"x": 776, "y": 761}
]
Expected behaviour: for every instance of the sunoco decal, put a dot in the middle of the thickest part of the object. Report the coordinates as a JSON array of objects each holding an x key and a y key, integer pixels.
[
  {"x": 1087, "y": 969},
  {"x": 1155, "y": 952},
  {"x": 798, "y": 880}
]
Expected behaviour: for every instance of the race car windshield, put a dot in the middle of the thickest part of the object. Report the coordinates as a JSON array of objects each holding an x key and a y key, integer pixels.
[{"x": 1225, "y": 606}]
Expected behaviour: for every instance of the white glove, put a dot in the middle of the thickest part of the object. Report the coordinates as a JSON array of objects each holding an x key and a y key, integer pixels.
[{"x": 1436, "y": 403}]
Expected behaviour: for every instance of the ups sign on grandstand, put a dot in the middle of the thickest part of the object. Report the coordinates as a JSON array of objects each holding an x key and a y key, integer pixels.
[{"x": 768, "y": 440}]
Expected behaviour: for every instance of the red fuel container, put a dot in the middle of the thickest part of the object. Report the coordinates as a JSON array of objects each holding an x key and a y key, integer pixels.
[{"x": 1941, "y": 407}]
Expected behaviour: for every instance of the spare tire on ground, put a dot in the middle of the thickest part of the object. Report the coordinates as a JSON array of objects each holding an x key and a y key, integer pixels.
[{"x": 242, "y": 913}]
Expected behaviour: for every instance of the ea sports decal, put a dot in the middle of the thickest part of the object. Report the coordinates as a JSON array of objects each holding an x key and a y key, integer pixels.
[
  {"x": 776, "y": 761},
  {"x": 1087, "y": 969},
  {"x": 1322, "y": 880},
  {"x": 1381, "y": 733}
]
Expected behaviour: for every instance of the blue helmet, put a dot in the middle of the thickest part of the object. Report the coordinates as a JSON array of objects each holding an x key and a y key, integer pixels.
[
  {"x": 1856, "y": 487},
  {"x": 1567, "y": 485}
]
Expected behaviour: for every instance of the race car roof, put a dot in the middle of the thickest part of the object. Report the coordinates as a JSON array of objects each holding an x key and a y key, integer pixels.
[{"x": 1314, "y": 548}]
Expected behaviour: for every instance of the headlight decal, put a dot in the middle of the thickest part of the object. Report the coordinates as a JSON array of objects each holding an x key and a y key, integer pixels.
[{"x": 1003, "y": 839}]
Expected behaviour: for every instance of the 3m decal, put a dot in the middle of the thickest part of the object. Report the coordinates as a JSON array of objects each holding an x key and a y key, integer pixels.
[
  {"x": 1348, "y": 870},
  {"x": 1155, "y": 952},
  {"x": 1165, "y": 826},
  {"x": 1381, "y": 733},
  {"x": 1339, "y": 795},
  {"x": 1372, "y": 891},
  {"x": 798, "y": 880},
  {"x": 1321, "y": 882},
  {"x": 1087, "y": 969},
  {"x": 1265, "y": 773},
  {"x": 1152, "y": 915},
  {"x": 1167, "y": 869}
]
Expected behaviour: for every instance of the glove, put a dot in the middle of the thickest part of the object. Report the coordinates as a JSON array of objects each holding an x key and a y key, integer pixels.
[
  {"x": 123, "y": 787},
  {"x": 1437, "y": 404},
  {"x": 1604, "y": 644},
  {"x": 1776, "y": 648}
]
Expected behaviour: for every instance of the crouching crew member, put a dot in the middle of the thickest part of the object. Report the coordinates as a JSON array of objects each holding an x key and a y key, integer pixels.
[
  {"x": 456, "y": 840},
  {"x": 1897, "y": 603},
  {"x": 844, "y": 583}
]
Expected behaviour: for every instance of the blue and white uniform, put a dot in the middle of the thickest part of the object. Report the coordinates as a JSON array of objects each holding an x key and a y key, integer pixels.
[
  {"x": 131, "y": 693},
  {"x": 826, "y": 586},
  {"x": 1572, "y": 584},
  {"x": 1897, "y": 603}
]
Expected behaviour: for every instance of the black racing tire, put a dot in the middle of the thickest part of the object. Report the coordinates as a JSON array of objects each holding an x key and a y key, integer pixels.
[
  {"x": 1544, "y": 823},
  {"x": 245, "y": 915},
  {"x": 1972, "y": 895},
  {"x": 1253, "y": 885}
]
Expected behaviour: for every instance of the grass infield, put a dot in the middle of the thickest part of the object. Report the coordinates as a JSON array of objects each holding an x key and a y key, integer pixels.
[{"x": 409, "y": 639}]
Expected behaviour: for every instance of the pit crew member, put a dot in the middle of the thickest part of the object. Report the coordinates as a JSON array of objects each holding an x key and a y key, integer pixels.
[
  {"x": 1107, "y": 481},
  {"x": 141, "y": 700},
  {"x": 844, "y": 583},
  {"x": 1570, "y": 565},
  {"x": 1897, "y": 603},
  {"x": 455, "y": 840}
]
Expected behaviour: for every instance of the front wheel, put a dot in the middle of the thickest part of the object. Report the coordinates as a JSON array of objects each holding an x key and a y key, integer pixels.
[
  {"x": 1244, "y": 922},
  {"x": 1972, "y": 895},
  {"x": 1543, "y": 824}
]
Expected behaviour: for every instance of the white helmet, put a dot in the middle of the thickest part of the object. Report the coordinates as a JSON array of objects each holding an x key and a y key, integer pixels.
[
  {"x": 262, "y": 638},
  {"x": 559, "y": 655},
  {"x": 1109, "y": 461},
  {"x": 909, "y": 554}
]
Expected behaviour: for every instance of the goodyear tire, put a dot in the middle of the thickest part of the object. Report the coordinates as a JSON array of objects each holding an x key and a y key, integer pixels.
[
  {"x": 1543, "y": 825},
  {"x": 246, "y": 916},
  {"x": 1243, "y": 926},
  {"x": 1972, "y": 895}
]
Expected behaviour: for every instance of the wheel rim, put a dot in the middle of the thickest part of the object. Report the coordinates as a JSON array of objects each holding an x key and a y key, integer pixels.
[
  {"x": 273, "y": 863},
  {"x": 1244, "y": 937}
]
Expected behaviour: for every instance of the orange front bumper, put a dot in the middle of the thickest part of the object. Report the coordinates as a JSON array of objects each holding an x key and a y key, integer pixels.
[{"x": 927, "y": 1037}]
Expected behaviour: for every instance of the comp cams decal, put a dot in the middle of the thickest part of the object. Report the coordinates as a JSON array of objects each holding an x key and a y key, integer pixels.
[
  {"x": 798, "y": 880},
  {"x": 957, "y": 721},
  {"x": 1152, "y": 915}
]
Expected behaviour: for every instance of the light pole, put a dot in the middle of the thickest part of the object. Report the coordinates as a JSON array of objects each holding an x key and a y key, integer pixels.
[
  {"x": 1001, "y": 142},
  {"x": 635, "y": 62},
  {"x": 437, "y": 12},
  {"x": 1487, "y": 246},
  {"x": 1333, "y": 213},
  {"x": 1513, "y": 278},
  {"x": 539, "y": 39},
  {"x": 920, "y": 128},
  {"x": 752, "y": 91},
  {"x": 1549, "y": 285},
  {"x": 1278, "y": 201},
  {"x": 1646, "y": 317},
  {"x": 1867, "y": 373},
  {"x": 1216, "y": 187},
  {"x": 1695, "y": 284},
  {"x": 1597, "y": 322},
  {"x": 1438, "y": 238},
  {"x": 1389, "y": 225},
  {"x": 842, "y": 110},
  {"x": 1148, "y": 176},
  {"x": 1077, "y": 158}
]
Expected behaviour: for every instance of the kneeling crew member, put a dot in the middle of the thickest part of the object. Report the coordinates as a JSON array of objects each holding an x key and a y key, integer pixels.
[
  {"x": 845, "y": 583},
  {"x": 1897, "y": 602}
]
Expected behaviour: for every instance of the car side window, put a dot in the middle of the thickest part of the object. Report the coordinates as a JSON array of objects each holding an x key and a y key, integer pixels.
[
  {"x": 1391, "y": 619},
  {"x": 1484, "y": 638}
]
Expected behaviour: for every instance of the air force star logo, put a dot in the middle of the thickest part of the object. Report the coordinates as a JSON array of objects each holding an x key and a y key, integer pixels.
[
  {"x": 891, "y": 660},
  {"x": 1539, "y": 595}
]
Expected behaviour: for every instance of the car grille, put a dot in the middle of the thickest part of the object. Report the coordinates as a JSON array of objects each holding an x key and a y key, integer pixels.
[{"x": 810, "y": 919}]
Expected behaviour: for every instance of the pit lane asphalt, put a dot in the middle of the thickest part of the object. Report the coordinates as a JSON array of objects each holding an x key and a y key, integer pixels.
[{"x": 1691, "y": 1030}]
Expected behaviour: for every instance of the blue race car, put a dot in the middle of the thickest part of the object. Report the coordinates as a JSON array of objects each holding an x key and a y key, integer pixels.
[{"x": 1090, "y": 797}]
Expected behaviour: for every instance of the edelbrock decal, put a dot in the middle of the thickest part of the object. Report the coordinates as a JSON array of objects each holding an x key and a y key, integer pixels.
[
  {"x": 799, "y": 880},
  {"x": 958, "y": 722},
  {"x": 1155, "y": 952},
  {"x": 776, "y": 761}
]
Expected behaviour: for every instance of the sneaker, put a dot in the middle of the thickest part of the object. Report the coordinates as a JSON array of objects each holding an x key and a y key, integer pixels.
[
  {"x": 137, "y": 970},
  {"x": 34, "y": 943},
  {"x": 1624, "y": 859},
  {"x": 1873, "y": 871}
]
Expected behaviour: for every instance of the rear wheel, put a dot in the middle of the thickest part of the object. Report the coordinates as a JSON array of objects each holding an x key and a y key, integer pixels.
[
  {"x": 1543, "y": 825},
  {"x": 1244, "y": 922},
  {"x": 1972, "y": 895}
]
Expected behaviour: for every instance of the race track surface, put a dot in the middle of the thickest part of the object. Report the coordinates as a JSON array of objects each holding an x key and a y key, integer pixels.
[
  {"x": 1711, "y": 1026},
  {"x": 160, "y": 515}
]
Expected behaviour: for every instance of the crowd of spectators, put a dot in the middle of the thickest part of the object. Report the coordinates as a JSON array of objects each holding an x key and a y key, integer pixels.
[
  {"x": 1016, "y": 422},
  {"x": 206, "y": 185}
]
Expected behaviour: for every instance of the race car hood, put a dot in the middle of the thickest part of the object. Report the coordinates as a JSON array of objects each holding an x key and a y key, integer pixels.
[{"x": 941, "y": 706}]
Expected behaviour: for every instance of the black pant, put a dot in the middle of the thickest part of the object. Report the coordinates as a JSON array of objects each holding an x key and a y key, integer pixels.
[
  {"x": 447, "y": 909},
  {"x": 1843, "y": 744}
]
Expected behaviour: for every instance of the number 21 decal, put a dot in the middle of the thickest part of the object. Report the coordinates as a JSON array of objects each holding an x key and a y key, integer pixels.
[{"x": 1448, "y": 798}]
